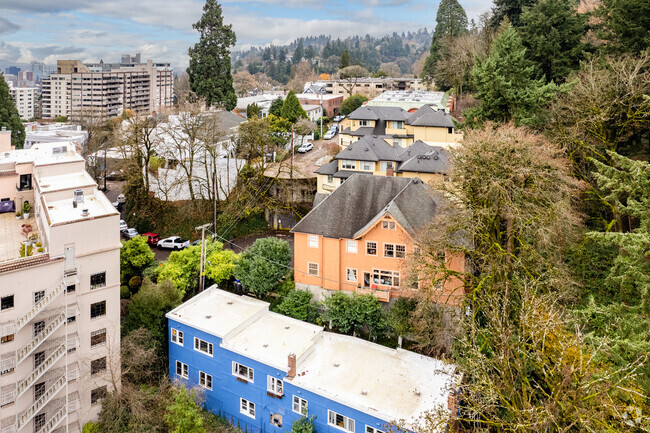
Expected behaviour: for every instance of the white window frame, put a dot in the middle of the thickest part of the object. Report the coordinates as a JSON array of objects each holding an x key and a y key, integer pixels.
[
  {"x": 177, "y": 336},
  {"x": 247, "y": 408},
  {"x": 365, "y": 164},
  {"x": 313, "y": 241},
  {"x": 351, "y": 246},
  {"x": 348, "y": 164},
  {"x": 185, "y": 370},
  {"x": 348, "y": 423},
  {"x": 354, "y": 272},
  {"x": 249, "y": 376},
  {"x": 364, "y": 123},
  {"x": 387, "y": 247},
  {"x": 371, "y": 429},
  {"x": 376, "y": 247},
  {"x": 299, "y": 405},
  {"x": 274, "y": 385},
  {"x": 203, "y": 380},
  {"x": 197, "y": 347},
  {"x": 397, "y": 252},
  {"x": 309, "y": 269}
]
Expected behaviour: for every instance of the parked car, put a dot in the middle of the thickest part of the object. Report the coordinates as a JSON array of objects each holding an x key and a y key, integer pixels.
[
  {"x": 123, "y": 225},
  {"x": 329, "y": 135},
  {"x": 305, "y": 147},
  {"x": 129, "y": 233},
  {"x": 152, "y": 238},
  {"x": 338, "y": 118},
  {"x": 335, "y": 126},
  {"x": 173, "y": 243},
  {"x": 121, "y": 199}
]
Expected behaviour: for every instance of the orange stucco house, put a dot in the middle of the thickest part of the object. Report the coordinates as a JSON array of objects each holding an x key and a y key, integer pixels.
[{"x": 359, "y": 239}]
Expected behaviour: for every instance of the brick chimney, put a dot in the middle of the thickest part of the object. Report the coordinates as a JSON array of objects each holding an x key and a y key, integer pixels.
[
  {"x": 5, "y": 140},
  {"x": 292, "y": 366},
  {"x": 389, "y": 169},
  {"x": 453, "y": 415}
]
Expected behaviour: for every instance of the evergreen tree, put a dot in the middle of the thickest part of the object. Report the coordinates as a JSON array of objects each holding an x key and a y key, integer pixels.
[
  {"x": 276, "y": 107},
  {"x": 505, "y": 83},
  {"x": 291, "y": 109},
  {"x": 298, "y": 53},
  {"x": 511, "y": 9},
  {"x": 310, "y": 53},
  {"x": 451, "y": 21},
  {"x": 209, "y": 70},
  {"x": 345, "y": 59},
  {"x": 9, "y": 116},
  {"x": 552, "y": 32},
  {"x": 626, "y": 25}
]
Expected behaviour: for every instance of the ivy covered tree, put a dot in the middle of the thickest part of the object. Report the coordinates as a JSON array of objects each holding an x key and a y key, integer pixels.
[
  {"x": 209, "y": 69},
  {"x": 9, "y": 116},
  {"x": 291, "y": 108},
  {"x": 552, "y": 32},
  {"x": 506, "y": 85},
  {"x": 451, "y": 21}
]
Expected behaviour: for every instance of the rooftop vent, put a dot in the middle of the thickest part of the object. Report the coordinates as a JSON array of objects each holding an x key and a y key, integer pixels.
[
  {"x": 79, "y": 195},
  {"x": 286, "y": 327},
  {"x": 265, "y": 345},
  {"x": 364, "y": 392},
  {"x": 229, "y": 302},
  {"x": 84, "y": 212},
  {"x": 417, "y": 392},
  {"x": 209, "y": 316},
  {"x": 336, "y": 364}
]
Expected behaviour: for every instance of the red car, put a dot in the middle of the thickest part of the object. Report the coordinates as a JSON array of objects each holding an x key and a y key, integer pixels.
[{"x": 152, "y": 238}]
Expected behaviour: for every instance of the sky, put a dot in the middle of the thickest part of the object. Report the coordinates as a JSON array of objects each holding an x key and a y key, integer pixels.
[{"x": 90, "y": 30}]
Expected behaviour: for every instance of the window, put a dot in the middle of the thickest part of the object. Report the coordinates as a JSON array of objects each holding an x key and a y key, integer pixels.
[
  {"x": 371, "y": 248},
  {"x": 330, "y": 178},
  {"x": 313, "y": 268},
  {"x": 7, "y": 302},
  {"x": 373, "y": 430},
  {"x": 39, "y": 422},
  {"x": 384, "y": 165},
  {"x": 71, "y": 288},
  {"x": 276, "y": 420},
  {"x": 97, "y": 309},
  {"x": 25, "y": 182},
  {"x": 182, "y": 370},
  {"x": 97, "y": 337},
  {"x": 205, "y": 380},
  {"x": 389, "y": 250},
  {"x": 313, "y": 241},
  {"x": 97, "y": 394},
  {"x": 98, "y": 365},
  {"x": 385, "y": 278},
  {"x": 366, "y": 279},
  {"x": 351, "y": 274},
  {"x": 247, "y": 407},
  {"x": 340, "y": 421},
  {"x": 39, "y": 358},
  {"x": 388, "y": 225},
  {"x": 366, "y": 165},
  {"x": 7, "y": 338},
  {"x": 39, "y": 390},
  {"x": 300, "y": 405},
  {"x": 400, "y": 251},
  {"x": 177, "y": 336},
  {"x": 397, "y": 142},
  {"x": 348, "y": 164},
  {"x": 352, "y": 247},
  {"x": 71, "y": 319},
  {"x": 39, "y": 327},
  {"x": 98, "y": 280},
  {"x": 203, "y": 346},
  {"x": 242, "y": 371},
  {"x": 38, "y": 296},
  {"x": 364, "y": 123},
  {"x": 274, "y": 385}
]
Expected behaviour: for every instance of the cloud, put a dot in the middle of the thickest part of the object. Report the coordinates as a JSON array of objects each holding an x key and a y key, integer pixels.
[{"x": 7, "y": 27}]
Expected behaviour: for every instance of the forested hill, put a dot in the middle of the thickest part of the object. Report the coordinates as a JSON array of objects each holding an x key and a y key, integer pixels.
[{"x": 396, "y": 52}]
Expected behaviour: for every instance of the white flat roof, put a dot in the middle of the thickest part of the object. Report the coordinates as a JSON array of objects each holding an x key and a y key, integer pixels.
[
  {"x": 272, "y": 337},
  {"x": 79, "y": 179},
  {"x": 391, "y": 384},
  {"x": 217, "y": 312},
  {"x": 63, "y": 211}
]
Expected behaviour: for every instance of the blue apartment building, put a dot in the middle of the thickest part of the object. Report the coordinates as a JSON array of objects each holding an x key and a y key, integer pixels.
[{"x": 264, "y": 371}]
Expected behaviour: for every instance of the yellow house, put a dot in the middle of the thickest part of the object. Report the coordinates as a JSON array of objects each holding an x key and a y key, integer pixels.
[{"x": 372, "y": 155}]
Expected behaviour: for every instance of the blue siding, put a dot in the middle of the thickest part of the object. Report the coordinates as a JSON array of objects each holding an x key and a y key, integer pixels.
[{"x": 227, "y": 390}]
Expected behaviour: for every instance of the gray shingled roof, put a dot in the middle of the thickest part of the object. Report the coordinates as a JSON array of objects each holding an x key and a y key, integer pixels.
[
  {"x": 228, "y": 119},
  {"x": 362, "y": 200},
  {"x": 368, "y": 112},
  {"x": 437, "y": 160},
  {"x": 369, "y": 148},
  {"x": 427, "y": 116},
  {"x": 329, "y": 168}
]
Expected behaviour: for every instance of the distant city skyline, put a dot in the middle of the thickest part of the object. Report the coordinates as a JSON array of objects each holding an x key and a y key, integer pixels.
[{"x": 39, "y": 30}]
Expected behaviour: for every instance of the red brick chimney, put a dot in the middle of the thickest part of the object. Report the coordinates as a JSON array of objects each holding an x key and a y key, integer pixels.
[
  {"x": 292, "y": 366},
  {"x": 389, "y": 169},
  {"x": 451, "y": 405}
]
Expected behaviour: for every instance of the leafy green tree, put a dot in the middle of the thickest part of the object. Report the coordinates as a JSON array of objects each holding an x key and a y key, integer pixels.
[
  {"x": 352, "y": 74},
  {"x": 262, "y": 265},
  {"x": 304, "y": 425},
  {"x": 220, "y": 265},
  {"x": 209, "y": 69},
  {"x": 451, "y": 21},
  {"x": 182, "y": 269},
  {"x": 184, "y": 415},
  {"x": 276, "y": 107},
  {"x": 135, "y": 257},
  {"x": 552, "y": 32},
  {"x": 350, "y": 313},
  {"x": 148, "y": 307},
  {"x": 510, "y": 9},
  {"x": 625, "y": 25},
  {"x": 9, "y": 116},
  {"x": 298, "y": 304},
  {"x": 351, "y": 103},
  {"x": 252, "y": 111},
  {"x": 399, "y": 317},
  {"x": 506, "y": 85},
  {"x": 345, "y": 59},
  {"x": 291, "y": 108}
]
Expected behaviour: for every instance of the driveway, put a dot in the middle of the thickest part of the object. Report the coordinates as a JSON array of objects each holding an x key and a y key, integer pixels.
[{"x": 304, "y": 164}]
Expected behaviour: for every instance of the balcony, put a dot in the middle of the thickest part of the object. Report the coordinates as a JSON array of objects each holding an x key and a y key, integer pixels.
[{"x": 47, "y": 396}]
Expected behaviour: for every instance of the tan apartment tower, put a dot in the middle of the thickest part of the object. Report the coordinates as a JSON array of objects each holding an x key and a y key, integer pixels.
[{"x": 59, "y": 290}]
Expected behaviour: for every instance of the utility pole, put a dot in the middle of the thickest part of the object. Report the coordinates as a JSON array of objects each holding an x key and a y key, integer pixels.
[
  {"x": 291, "y": 172},
  {"x": 201, "y": 278}
]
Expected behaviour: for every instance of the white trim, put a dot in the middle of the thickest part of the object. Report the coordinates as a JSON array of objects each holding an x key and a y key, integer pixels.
[
  {"x": 184, "y": 369},
  {"x": 309, "y": 270},
  {"x": 174, "y": 338},
  {"x": 346, "y": 422},
  {"x": 312, "y": 241},
  {"x": 354, "y": 245},
  {"x": 205, "y": 380},
  {"x": 274, "y": 385},
  {"x": 300, "y": 404},
  {"x": 210, "y": 351},
  {"x": 347, "y": 275},
  {"x": 371, "y": 429},
  {"x": 248, "y": 378},
  {"x": 249, "y": 405}
]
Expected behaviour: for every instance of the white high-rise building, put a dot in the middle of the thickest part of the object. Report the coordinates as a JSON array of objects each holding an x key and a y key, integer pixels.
[
  {"x": 59, "y": 290},
  {"x": 24, "y": 99}
]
